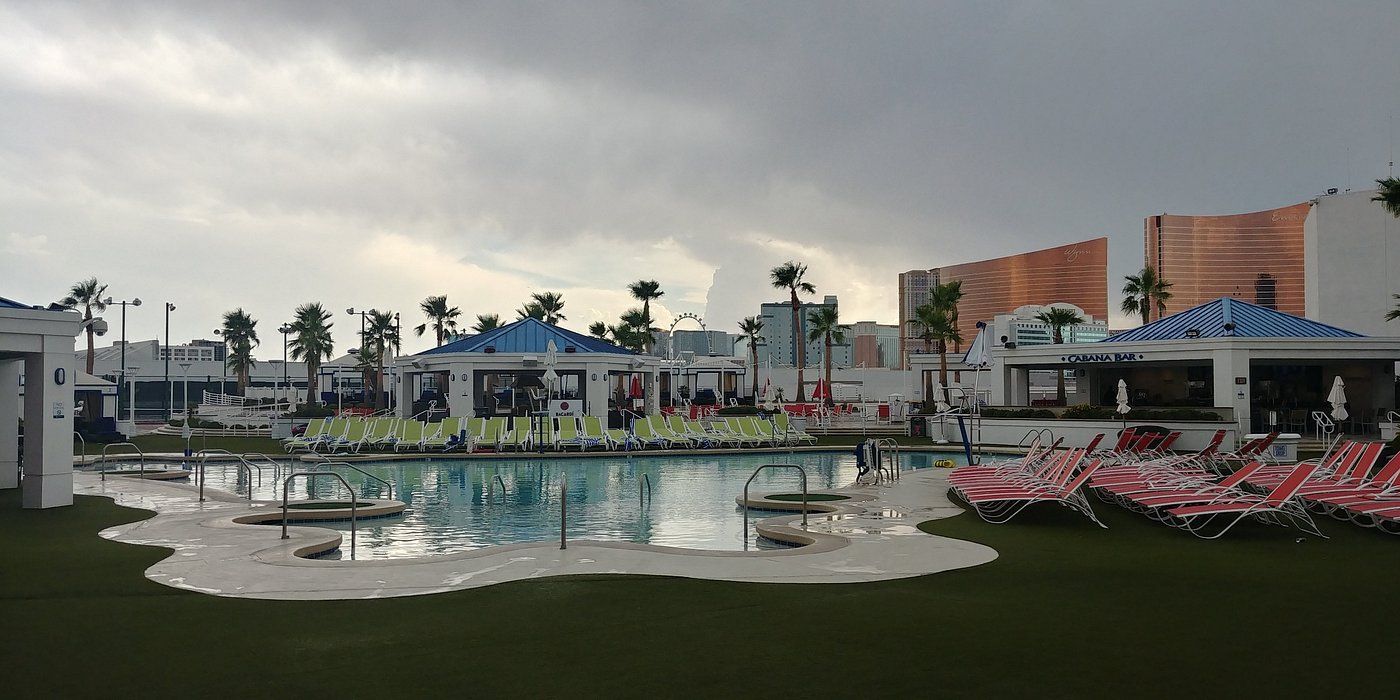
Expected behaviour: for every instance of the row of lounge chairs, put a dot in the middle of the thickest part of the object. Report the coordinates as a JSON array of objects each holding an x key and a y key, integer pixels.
[
  {"x": 1205, "y": 493},
  {"x": 354, "y": 434}
]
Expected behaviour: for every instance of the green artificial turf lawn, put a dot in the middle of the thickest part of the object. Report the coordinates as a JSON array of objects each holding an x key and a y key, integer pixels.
[{"x": 1067, "y": 610}]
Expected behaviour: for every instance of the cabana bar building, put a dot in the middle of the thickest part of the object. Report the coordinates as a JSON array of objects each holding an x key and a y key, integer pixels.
[
  {"x": 503, "y": 372},
  {"x": 1248, "y": 363}
]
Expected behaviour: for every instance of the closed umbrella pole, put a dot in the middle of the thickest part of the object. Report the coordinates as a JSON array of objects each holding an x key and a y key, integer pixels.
[{"x": 1338, "y": 399}]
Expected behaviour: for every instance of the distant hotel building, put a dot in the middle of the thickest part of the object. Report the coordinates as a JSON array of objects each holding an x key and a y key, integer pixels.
[
  {"x": 1257, "y": 257},
  {"x": 1331, "y": 259},
  {"x": 875, "y": 344},
  {"x": 1023, "y": 328},
  {"x": 1075, "y": 274},
  {"x": 778, "y": 346}
]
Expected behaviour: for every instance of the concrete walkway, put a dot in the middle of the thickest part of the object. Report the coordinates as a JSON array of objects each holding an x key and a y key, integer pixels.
[{"x": 871, "y": 537}]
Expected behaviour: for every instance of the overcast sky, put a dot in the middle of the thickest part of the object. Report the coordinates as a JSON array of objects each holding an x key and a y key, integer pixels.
[{"x": 266, "y": 155}]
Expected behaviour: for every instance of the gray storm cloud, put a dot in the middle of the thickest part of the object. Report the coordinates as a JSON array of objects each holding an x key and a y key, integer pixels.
[{"x": 369, "y": 154}]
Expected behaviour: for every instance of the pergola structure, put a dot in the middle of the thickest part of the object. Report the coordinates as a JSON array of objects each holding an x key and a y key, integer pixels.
[
  {"x": 501, "y": 372},
  {"x": 38, "y": 344},
  {"x": 1247, "y": 362}
]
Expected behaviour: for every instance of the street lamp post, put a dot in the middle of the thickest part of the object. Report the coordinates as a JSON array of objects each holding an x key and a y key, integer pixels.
[
  {"x": 185, "y": 405},
  {"x": 134, "y": 302},
  {"x": 223, "y": 379},
  {"x": 169, "y": 388},
  {"x": 132, "y": 396},
  {"x": 284, "y": 329}
]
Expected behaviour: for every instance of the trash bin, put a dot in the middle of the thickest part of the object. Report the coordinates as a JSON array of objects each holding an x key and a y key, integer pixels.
[
  {"x": 1284, "y": 449},
  {"x": 918, "y": 426},
  {"x": 1388, "y": 430}
]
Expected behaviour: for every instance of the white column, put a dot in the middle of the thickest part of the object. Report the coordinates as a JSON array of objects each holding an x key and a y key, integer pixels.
[
  {"x": 48, "y": 430},
  {"x": 1227, "y": 366},
  {"x": 596, "y": 379},
  {"x": 9, "y": 424}
]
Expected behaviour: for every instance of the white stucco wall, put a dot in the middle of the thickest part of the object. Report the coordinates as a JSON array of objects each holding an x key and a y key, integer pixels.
[{"x": 1351, "y": 251}]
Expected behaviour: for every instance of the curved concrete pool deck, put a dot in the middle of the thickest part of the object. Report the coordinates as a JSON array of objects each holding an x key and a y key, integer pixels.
[{"x": 872, "y": 536}]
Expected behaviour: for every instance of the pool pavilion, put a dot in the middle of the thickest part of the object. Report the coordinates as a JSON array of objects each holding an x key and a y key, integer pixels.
[
  {"x": 505, "y": 372},
  {"x": 37, "y": 343},
  {"x": 1256, "y": 366}
]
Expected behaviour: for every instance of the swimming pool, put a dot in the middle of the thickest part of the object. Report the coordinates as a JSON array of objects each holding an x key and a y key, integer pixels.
[{"x": 450, "y": 509}]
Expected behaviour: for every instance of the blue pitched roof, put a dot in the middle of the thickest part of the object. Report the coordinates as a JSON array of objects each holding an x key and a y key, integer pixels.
[
  {"x": 11, "y": 304},
  {"x": 1251, "y": 321},
  {"x": 528, "y": 335}
]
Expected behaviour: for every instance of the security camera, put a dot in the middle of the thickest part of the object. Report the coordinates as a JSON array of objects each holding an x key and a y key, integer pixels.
[{"x": 98, "y": 326}]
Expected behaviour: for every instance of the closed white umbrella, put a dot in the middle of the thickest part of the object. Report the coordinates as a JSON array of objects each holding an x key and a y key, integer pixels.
[
  {"x": 1123, "y": 406},
  {"x": 939, "y": 405},
  {"x": 1338, "y": 398}
]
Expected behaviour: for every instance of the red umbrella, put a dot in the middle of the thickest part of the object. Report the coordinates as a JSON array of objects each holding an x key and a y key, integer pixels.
[
  {"x": 822, "y": 391},
  {"x": 636, "y": 392}
]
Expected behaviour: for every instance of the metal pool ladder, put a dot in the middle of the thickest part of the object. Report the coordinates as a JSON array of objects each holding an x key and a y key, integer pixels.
[
  {"x": 893, "y": 468},
  {"x": 311, "y": 477},
  {"x": 387, "y": 486},
  {"x": 102, "y": 466},
  {"x": 802, "y": 471}
]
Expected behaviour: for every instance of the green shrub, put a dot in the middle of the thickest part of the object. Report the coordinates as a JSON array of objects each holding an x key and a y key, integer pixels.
[
  {"x": 313, "y": 412},
  {"x": 1087, "y": 412},
  {"x": 739, "y": 411},
  {"x": 195, "y": 423}
]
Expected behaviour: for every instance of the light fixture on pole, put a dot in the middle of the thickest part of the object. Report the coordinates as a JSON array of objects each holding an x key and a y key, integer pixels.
[
  {"x": 185, "y": 405},
  {"x": 223, "y": 379},
  {"x": 169, "y": 388},
  {"x": 284, "y": 329},
  {"x": 134, "y": 302}
]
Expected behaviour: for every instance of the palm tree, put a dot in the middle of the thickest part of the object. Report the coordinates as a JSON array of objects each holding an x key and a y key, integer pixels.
[
  {"x": 380, "y": 332},
  {"x": 442, "y": 317},
  {"x": 640, "y": 334},
  {"x": 946, "y": 297},
  {"x": 486, "y": 322},
  {"x": 824, "y": 325},
  {"x": 365, "y": 361},
  {"x": 552, "y": 303},
  {"x": 598, "y": 330},
  {"x": 1143, "y": 291},
  {"x": 935, "y": 326},
  {"x": 240, "y": 334},
  {"x": 1388, "y": 194},
  {"x": 531, "y": 309},
  {"x": 1058, "y": 318},
  {"x": 311, "y": 342},
  {"x": 87, "y": 294},
  {"x": 644, "y": 291},
  {"x": 751, "y": 327},
  {"x": 789, "y": 276},
  {"x": 1395, "y": 312}
]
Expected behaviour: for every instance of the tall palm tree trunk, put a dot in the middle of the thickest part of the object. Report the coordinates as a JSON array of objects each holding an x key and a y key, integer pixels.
[
  {"x": 801, "y": 354},
  {"x": 928, "y": 378},
  {"x": 87, "y": 316},
  {"x": 753, "y": 352},
  {"x": 312, "y": 372},
  {"x": 379, "y": 379},
  {"x": 943, "y": 363},
  {"x": 826, "y": 360}
]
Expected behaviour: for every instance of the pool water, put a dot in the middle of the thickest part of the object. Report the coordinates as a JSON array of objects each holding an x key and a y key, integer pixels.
[{"x": 461, "y": 505}]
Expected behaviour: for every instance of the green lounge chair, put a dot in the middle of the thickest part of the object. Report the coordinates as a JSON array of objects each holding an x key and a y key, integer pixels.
[
  {"x": 646, "y": 431},
  {"x": 379, "y": 432},
  {"x": 683, "y": 428},
  {"x": 494, "y": 433},
  {"x": 447, "y": 431},
  {"x": 716, "y": 437},
  {"x": 660, "y": 426},
  {"x": 567, "y": 435},
  {"x": 315, "y": 430},
  {"x": 784, "y": 425},
  {"x": 744, "y": 427},
  {"x": 519, "y": 437},
  {"x": 766, "y": 432},
  {"x": 592, "y": 433},
  {"x": 476, "y": 434},
  {"x": 410, "y": 435},
  {"x": 354, "y": 433}
]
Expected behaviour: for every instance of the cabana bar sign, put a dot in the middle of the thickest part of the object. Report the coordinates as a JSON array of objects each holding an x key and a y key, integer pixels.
[{"x": 1103, "y": 357}]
